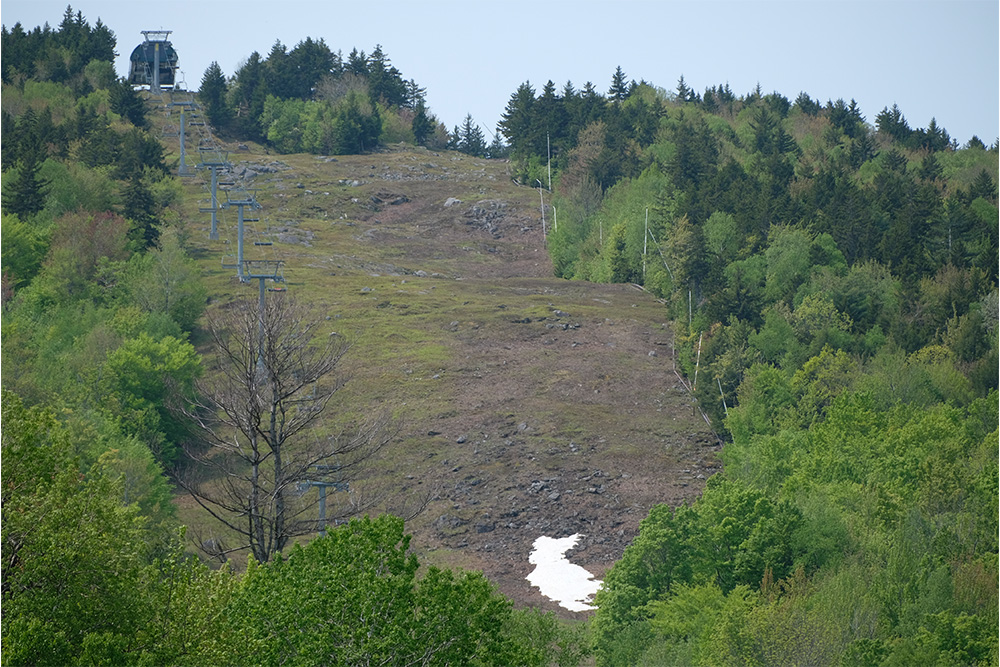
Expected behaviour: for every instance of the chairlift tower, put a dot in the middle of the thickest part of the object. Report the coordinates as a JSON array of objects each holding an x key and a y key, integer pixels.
[
  {"x": 247, "y": 200},
  {"x": 323, "y": 486},
  {"x": 184, "y": 105},
  {"x": 262, "y": 270},
  {"x": 214, "y": 166}
]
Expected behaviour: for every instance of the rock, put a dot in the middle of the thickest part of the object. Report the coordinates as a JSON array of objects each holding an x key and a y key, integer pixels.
[
  {"x": 449, "y": 521},
  {"x": 461, "y": 440},
  {"x": 554, "y": 495},
  {"x": 451, "y": 201}
]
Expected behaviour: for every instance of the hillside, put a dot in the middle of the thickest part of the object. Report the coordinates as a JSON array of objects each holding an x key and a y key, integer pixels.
[{"x": 528, "y": 405}]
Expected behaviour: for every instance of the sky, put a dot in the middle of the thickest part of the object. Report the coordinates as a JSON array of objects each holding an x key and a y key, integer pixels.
[{"x": 934, "y": 59}]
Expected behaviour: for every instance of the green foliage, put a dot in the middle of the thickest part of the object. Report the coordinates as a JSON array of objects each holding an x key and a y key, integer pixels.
[
  {"x": 73, "y": 187},
  {"x": 24, "y": 247},
  {"x": 351, "y": 125},
  {"x": 863, "y": 517},
  {"x": 165, "y": 281},
  {"x": 80, "y": 242},
  {"x": 141, "y": 377},
  {"x": 73, "y": 554},
  {"x": 422, "y": 125},
  {"x": 353, "y": 596},
  {"x": 308, "y": 99}
]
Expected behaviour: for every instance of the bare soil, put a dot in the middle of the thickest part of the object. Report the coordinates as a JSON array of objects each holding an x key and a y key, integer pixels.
[{"x": 528, "y": 405}]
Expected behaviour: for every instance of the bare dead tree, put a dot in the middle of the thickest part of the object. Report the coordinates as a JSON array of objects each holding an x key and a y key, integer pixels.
[{"x": 259, "y": 414}]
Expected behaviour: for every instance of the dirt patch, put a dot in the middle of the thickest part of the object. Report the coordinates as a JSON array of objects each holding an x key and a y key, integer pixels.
[{"x": 531, "y": 405}]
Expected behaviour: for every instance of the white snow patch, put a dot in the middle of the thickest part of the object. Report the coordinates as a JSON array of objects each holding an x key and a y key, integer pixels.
[{"x": 558, "y": 579}]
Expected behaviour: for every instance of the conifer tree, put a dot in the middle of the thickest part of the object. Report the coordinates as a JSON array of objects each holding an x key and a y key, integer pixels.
[
  {"x": 384, "y": 81},
  {"x": 470, "y": 139},
  {"x": 125, "y": 102},
  {"x": 497, "y": 148},
  {"x": 422, "y": 126},
  {"x": 414, "y": 94},
  {"x": 138, "y": 207},
  {"x": 249, "y": 91},
  {"x": 213, "y": 96},
  {"x": 25, "y": 196},
  {"x": 619, "y": 86},
  {"x": 684, "y": 91}
]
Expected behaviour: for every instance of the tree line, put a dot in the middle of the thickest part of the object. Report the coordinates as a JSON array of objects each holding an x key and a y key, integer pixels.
[{"x": 312, "y": 99}]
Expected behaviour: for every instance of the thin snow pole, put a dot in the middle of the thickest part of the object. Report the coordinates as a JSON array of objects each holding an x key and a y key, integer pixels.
[
  {"x": 694, "y": 385},
  {"x": 724, "y": 406},
  {"x": 645, "y": 238}
]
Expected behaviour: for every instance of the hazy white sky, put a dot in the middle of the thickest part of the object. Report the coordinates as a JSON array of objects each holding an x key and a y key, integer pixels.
[{"x": 936, "y": 58}]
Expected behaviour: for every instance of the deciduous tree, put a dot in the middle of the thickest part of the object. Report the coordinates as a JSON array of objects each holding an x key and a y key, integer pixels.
[{"x": 259, "y": 416}]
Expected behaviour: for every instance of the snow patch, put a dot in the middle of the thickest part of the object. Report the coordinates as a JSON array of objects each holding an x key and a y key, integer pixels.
[{"x": 558, "y": 579}]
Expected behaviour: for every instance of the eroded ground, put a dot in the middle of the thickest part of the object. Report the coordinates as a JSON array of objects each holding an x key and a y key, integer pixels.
[{"x": 528, "y": 405}]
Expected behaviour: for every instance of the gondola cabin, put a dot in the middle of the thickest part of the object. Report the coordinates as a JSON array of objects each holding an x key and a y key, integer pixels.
[{"x": 153, "y": 62}]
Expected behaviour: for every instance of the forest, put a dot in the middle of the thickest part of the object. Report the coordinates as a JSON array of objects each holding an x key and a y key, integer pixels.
[
  {"x": 834, "y": 289},
  {"x": 832, "y": 286}
]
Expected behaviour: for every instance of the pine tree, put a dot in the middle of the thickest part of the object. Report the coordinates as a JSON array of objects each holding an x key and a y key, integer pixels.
[
  {"x": 470, "y": 139},
  {"x": 249, "y": 91},
  {"x": 138, "y": 207},
  {"x": 516, "y": 120},
  {"x": 807, "y": 105},
  {"x": 415, "y": 95},
  {"x": 498, "y": 150},
  {"x": 357, "y": 63},
  {"x": 423, "y": 126},
  {"x": 384, "y": 81},
  {"x": 684, "y": 92},
  {"x": 983, "y": 186},
  {"x": 892, "y": 123},
  {"x": 278, "y": 72},
  {"x": 212, "y": 95},
  {"x": 619, "y": 86},
  {"x": 25, "y": 196}
]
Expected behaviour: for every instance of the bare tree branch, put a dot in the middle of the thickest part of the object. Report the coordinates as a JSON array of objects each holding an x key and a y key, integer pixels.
[{"x": 260, "y": 413}]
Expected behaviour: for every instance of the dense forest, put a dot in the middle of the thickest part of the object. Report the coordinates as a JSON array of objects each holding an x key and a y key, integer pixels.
[{"x": 833, "y": 287}]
